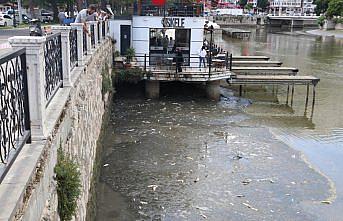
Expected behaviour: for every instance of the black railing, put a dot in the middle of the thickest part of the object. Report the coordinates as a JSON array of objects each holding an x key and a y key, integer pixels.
[
  {"x": 14, "y": 107},
  {"x": 103, "y": 29},
  {"x": 84, "y": 39},
  {"x": 171, "y": 9},
  {"x": 92, "y": 36},
  {"x": 98, "y": 31},
  {"x": 73, "y": 48},
  {"x": 176, "y": 64},
  {"x": 53, "y": 66}
]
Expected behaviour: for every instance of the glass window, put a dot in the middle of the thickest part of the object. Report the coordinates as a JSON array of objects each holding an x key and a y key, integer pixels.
[{"x": 164, "y": 42}]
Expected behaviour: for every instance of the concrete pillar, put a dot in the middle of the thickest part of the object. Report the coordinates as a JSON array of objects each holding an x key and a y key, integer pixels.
[
  {"x": 65, "y": 31},
  {"x": 36, "y": 80},
  {"x": 213, "y": 90},
  {"x": 79, "y": 28},
  {"x": 152, "y": 89}
]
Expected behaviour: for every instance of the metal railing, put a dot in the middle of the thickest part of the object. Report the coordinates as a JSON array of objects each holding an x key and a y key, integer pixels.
[
  {"x": 14, "y": 107},
  {"x": 103, "y": 29},
  {"x": 73, "y": 48},
  {"x": 177, "y": 64},
  {"x": 98, "y": 31},
  {"x": 53, "y": 66},
  {"x": 84, "y": 40},
  {"x": 92, "y": 31},
  {"x": 171, "y": 9}
]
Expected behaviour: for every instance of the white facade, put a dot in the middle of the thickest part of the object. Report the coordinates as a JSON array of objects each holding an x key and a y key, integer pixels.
[
  {"x": 140, "y": 32},
  {"x": 288, "y": 7}
]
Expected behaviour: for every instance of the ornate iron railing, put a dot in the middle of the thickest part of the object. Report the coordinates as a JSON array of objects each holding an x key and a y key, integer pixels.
[
  {"x": 73, "y": 48},
  {"x": 14, "y": 107},
  {"x": 84, "y": 39},
  {"x": 98, "y": 31},
  {"x": 53, "y": 66},
  {"x": 103, "y": 29},
  {"x": 92, "y": 36}
]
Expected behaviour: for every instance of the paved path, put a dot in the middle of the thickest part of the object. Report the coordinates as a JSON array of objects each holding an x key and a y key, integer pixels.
[{"x": 7, "y": 33}]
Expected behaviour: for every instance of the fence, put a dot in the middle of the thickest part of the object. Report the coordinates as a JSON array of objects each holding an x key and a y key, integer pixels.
[
  {"x": 53, "y": 66},
  {"x": 38, "y": 71},
  {"x": 14, "y": 107},
  {"x": 173, "y": 63},
  {"x": 73, "y": 48}
]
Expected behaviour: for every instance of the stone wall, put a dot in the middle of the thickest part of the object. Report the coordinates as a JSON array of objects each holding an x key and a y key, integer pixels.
[{"x": 28, "y": 191}]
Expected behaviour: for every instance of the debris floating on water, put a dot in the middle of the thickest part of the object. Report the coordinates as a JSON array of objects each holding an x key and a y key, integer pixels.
[
  {"x": 106, "y": 165},
  {"x": 249, "y": 206},
  {"x": 153, "y": 187},
  {"x": 326, "y": 202}
]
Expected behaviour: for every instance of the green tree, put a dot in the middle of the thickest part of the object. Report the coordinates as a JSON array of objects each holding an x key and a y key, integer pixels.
[
  {"x": 248, "y": 7},
  {"x": 335, "y": 8},
  {"x": 243, "y": 3},
  {"x": 321, "y": 6},
  {"x": 263, "y": 4}
]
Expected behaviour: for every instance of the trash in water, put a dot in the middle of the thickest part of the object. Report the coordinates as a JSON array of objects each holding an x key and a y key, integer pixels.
[
  {"x": 153, "y": 187},
  {"x": 189, "y": 158},
  {"x": 106, "y": 165},
  {"x": 246, "y": 181}
]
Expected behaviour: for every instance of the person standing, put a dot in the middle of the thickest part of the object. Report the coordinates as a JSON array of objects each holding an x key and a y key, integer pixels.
[
  {"x": 61, "y": 16},
  {"x": 202, "y": 56},
  {"x": 179, "y": 60},
  {"x": 86, "y": 15}
]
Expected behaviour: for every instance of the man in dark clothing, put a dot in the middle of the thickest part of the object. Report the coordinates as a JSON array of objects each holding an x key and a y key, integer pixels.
[{"x": 179, "y": 60}]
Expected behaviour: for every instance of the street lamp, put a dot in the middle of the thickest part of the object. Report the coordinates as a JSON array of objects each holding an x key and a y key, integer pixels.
[{"x": 211, "y": 41}]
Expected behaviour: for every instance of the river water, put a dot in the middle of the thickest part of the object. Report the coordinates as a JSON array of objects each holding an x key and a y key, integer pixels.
[{"x": 244, "y": 158}]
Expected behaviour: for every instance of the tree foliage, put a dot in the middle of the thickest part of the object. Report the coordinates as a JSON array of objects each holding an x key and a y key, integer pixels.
[
  {"x": 248, "y": 6},
  {"x": 321, "y": 6},
  {"x": 335, "y": 8},
  {"x": 243, "y": 3},
  {"x": 263, "y": 4}
]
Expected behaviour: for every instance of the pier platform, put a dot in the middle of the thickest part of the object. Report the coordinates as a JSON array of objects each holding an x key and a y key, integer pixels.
[{"x": 236, "y": 33}]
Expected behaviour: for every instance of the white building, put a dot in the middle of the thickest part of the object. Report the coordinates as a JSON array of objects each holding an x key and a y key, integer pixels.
[{"x": 285, "y": 7}]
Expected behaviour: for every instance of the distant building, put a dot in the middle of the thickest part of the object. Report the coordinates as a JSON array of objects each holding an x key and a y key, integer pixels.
[
  {"x": 308, "y": 6},
  {"x": 288, "y": 7},
  {"x": 5, "y": 6}
]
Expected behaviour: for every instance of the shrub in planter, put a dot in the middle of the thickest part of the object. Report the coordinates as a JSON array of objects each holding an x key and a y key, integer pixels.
[{"x": 132, "y": 75}]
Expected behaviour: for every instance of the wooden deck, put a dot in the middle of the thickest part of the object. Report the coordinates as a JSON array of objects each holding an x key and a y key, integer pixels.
[
  {"x": 189, "y": 75},
  {"x": 260, "y": 79},
  {"x": 261, "y": 63},
  {"x": 265, "y": 70}
]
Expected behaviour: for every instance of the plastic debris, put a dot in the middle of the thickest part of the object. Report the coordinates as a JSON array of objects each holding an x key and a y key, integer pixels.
[
  {"x": 153, "y": 187},
  {"x": 249, "y": 206},
  {"x": 326, "y": 202},
  {"x": 106, "y": 165}
]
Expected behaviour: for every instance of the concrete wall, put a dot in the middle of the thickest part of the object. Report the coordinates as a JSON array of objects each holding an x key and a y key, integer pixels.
[{"x": 28, "y": 192}]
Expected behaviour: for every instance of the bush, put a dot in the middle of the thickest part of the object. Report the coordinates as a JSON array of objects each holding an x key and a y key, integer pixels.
[
  {"x": 338, "y": 20},
  {"x": 131, "y": 75},
  {"x": 321, "y": 20},
  {"x": 68, "y": 186},
  {"x": 335, "y": 8}
]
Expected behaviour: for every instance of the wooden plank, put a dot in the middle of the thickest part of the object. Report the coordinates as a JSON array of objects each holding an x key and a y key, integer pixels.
[
  {"x": 249, "y": 58},
  {"x": 265, "y": 70},
  {"x": 271, "y": 79},
  {"x": 259, "y": 63}
]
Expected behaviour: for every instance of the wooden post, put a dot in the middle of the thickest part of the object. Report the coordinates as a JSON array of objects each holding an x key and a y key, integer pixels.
[
  {"x": 314, "y": 99},
  {"x": 292, "y": 95},
  {"x": 287, "y": 94}
]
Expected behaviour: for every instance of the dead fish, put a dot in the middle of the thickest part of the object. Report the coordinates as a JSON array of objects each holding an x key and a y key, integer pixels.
[
  {"x": 249, "y": 206},
  {"x": 106, "y": 165},
  {"x": 203, "y": 216},
  {"x": 189, "y": 158},
  {"x": 246, "y": 181},
  {"x": 326, "y": 202}
]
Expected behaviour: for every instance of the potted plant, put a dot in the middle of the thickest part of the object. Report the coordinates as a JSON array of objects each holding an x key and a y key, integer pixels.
[{"x": 130, "y": 53}]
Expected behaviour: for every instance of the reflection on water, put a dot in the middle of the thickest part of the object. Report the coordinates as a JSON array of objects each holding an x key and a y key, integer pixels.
[{"x": 320, "y": 138}]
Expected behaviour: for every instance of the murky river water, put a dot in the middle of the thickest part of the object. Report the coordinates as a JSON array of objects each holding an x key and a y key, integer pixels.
[{"x": 184, "y": 158}]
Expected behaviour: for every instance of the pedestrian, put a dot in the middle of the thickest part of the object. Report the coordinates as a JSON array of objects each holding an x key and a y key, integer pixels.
[
  {"x": 86, "y": 15},
  {"x": 179, "y": 60},
  {"x": 202, "y": 56},
  {"x": 61, "y": 16}
]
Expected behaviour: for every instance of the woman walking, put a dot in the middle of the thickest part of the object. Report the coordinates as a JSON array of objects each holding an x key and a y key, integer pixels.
[{"x": 202, "y": 56}]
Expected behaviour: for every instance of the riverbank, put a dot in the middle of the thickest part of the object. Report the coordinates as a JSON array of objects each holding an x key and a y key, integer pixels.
[
  {"x": 324, "y": 33},
  {"x": 184, "y": 158}
]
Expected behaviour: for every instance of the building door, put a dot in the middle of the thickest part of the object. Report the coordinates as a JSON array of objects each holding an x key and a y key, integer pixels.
[{"x": 125, "y": 38}]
